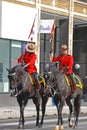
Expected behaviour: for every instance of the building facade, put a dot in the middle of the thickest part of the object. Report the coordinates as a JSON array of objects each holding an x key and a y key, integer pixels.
[{"x": 71, "y": 24}]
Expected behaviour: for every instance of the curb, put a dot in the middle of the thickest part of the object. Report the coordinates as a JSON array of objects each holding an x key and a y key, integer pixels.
[{"x": 13, "y": 112}]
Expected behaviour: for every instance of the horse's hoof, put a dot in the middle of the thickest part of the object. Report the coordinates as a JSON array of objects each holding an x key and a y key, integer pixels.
[
  {"x": 70, "y": 124},
  {"x": 20, "y": 127},
  {"x": 37, "y": 124},
  {"x": 61, "y": 127},
  {"x": 57, "y": 127},
  {"x": 40, "y": 126},
  {"x": 75, "y": 127}
]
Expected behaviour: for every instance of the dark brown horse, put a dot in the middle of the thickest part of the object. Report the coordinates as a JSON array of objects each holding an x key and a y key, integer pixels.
[
  {"x": 20, "y": 80},
  {"x": 59, "y": 88}
]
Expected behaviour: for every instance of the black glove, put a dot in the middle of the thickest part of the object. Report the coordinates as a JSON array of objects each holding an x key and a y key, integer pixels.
[
  {"x": 50, "y": 51},
  {"x": 65, "y": 69}
]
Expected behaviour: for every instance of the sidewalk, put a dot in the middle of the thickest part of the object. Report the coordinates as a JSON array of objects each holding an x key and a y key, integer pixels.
[{"x": 13, "y": 112}]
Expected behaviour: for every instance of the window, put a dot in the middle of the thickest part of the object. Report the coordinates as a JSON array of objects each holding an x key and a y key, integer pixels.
[
  {"x": 10, "y": 50},
  {"x": 4, "y": 62},
  {"x": 15, "y": 52}
]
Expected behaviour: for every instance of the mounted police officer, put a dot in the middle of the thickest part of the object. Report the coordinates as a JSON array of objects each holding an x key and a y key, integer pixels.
[
  {"x": 66, "y": 63},
  {"x": 27, "y": 60}
]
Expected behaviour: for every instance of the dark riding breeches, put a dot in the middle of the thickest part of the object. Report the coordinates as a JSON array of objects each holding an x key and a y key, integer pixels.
[
  {"x": 72, "y": 78},
  {"x": 35, "y": 77}
]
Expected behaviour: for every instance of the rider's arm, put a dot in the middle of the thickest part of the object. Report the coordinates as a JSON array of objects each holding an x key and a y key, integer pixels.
[
  {"x": 31, "y": 62},
  {"x": 20, "y": 59},
  {"x": 51, "y": 56},
  {"x": 54, "y": 59}
]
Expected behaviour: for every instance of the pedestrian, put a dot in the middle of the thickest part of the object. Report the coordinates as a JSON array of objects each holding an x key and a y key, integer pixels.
[{"x": 66, "y": 63}]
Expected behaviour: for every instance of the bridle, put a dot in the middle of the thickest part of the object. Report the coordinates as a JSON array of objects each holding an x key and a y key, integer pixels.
[
  {"x": 51, "y": 84},
  {"x": 53, "y": 81},
  {"x": 17, "y": 82}
]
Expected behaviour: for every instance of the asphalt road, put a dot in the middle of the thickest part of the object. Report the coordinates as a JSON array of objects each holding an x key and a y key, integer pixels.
[{"x": 49, "y": 123}]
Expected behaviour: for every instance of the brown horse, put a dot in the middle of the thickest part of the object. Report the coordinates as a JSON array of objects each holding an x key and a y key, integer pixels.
[
  {"x": 20, "y": 80},
  {"x": 59, "y": 88}
]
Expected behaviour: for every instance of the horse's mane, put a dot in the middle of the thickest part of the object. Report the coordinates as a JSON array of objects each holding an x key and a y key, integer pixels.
[
  {"x": 55, "y": 70},
  {"x": 19, "y": 69},
  {"x": 58, "y": 75}
]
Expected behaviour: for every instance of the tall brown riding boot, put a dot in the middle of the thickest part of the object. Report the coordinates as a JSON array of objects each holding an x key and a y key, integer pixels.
[
  {"x": 38, "y": 86},
  {"x": 73, "y": 88},
  {"x": 37, "y": 89}
]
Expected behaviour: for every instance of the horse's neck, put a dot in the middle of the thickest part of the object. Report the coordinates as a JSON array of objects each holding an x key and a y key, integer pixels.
[{"x": 58, "y": 73}]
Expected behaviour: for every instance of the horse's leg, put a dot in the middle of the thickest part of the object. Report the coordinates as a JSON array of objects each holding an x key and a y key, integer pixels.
[
  {"x": 37, "y": 105},
  {"x": 59, "y": 104},
  {"x": 68, "y": 102},
  {"x": 77, "y": 104},
  {"x": 21, "y": 118},
  {"x": 22, "y": 104},
  {"x": 44, "y": 102}
]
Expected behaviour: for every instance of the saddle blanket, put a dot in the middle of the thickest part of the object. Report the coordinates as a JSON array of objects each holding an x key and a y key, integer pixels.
[
  {"x": 77, "y": 80},
  {"x": 40, "y": 77}
]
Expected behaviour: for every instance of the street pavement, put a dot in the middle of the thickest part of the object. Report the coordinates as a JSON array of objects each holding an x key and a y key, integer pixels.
[{"x": 30, "y": 110}]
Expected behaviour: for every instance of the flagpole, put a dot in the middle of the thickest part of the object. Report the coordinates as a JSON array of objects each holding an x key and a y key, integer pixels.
[
  {"x": 32, "y": 26},
  {"x": 52, "y": 37},
  {"x": 38, "y": 32}
]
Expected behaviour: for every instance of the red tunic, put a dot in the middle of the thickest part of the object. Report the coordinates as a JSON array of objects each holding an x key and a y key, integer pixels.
[
  {"x": 65, "y": 61},
  {"x": 29, "y": 58}
]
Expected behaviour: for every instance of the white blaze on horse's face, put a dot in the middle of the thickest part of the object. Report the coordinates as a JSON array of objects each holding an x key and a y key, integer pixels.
[
  {"x": 50, "y": 72},
  {"x": 12, "y": 74},
  {"x": 49, "y": 79}
]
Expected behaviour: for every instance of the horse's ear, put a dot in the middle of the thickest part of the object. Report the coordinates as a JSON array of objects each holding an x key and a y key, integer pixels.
[{"x": 7, "y": 69}]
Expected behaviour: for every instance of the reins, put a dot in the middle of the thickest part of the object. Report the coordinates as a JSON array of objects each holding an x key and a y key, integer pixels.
[
  {"x": 16, "y": 84},
  {"x": 16, "y": 87},
  {"x": 52, "y": 85}
]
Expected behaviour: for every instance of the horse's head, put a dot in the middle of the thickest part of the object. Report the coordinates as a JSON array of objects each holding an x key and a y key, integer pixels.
[
  {"x": 14, "y": 76},
  {"x": 50, "y": 78},
  {"x": 54, "y": 79},
  {"x": 52, "y": 74}
]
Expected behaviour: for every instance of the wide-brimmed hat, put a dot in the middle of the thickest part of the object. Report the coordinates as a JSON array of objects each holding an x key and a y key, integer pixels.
[
  {"x": 64, "y": 47},
  {"x": 30, "y": 47}
]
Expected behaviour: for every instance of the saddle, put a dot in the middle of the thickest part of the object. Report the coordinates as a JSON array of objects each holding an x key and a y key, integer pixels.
[
  {"x": 41, "y": 80},
  {"x": 77, "y": 81}
]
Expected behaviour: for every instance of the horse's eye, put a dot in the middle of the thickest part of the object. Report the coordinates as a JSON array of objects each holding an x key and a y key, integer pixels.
[{"x": 9, "y": 76}]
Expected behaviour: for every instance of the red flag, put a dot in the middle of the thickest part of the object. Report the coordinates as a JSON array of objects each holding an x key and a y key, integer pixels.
[
  {"x": 52, "y": 32},
  {"x": 32, "y": 31}
]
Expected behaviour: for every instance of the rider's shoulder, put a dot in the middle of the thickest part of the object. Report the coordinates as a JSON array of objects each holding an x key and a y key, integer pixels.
[{"x": 70, "y": 57}]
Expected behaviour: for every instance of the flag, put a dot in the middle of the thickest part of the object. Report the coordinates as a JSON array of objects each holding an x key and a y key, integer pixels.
[
  {"x": 52, "y": 32},
  {"x": 32, "y": 29}
]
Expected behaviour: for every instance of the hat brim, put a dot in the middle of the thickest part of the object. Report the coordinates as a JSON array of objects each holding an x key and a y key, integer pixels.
[
  {"x": 62, "y": 49},
  {"x": 29, "y": 49}
]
